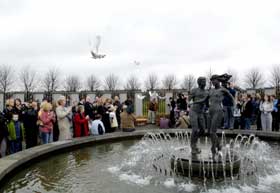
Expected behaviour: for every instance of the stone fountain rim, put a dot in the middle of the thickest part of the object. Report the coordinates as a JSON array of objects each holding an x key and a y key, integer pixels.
[{"x": 10, "y": 163}]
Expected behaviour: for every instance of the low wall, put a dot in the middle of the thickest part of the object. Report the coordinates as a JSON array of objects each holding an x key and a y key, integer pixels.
[{"x": 10, "y": 163}]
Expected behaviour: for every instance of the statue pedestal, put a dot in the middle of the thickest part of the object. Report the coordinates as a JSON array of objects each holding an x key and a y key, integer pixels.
[{"x": 209, "y": 168}]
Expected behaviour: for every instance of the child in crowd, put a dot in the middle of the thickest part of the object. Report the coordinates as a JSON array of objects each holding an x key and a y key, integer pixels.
[
  {"x": 16, "y": 134},
  {"x": 96, "y": 127}
]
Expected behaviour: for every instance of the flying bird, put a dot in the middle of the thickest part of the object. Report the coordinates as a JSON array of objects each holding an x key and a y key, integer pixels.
[
  {"x": 154, "y": 94},
  {"x": 140, "y": 97},
  {"x": 95, "y": 54}
]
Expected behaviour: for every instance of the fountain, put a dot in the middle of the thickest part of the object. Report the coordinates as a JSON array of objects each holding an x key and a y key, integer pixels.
[{"x": 146, "y": 166}]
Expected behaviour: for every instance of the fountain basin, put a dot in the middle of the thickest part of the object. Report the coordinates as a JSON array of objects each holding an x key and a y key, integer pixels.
[{"x": 205, "y": 168}]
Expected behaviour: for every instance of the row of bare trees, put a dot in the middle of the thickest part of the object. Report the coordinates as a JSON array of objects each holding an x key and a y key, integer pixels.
[{"x": 28, "y": 79}]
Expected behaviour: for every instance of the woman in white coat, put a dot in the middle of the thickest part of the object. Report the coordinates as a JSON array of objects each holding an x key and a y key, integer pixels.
[{"x": 64, "y": 120}]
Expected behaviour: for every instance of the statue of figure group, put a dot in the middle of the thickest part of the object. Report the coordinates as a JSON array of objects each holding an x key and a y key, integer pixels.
[{"x": 211, "y": 101}]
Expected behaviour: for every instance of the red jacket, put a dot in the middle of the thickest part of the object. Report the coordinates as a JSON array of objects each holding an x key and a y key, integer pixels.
[{"x": 80, "y": 123}]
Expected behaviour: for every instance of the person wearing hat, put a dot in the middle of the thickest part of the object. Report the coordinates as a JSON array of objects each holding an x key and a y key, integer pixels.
[
  {"x": 127, "y": 120},
  {"x": 81, "y": 122}
]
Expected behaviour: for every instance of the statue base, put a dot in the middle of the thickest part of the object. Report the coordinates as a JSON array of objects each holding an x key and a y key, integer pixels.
[{"x": 210, "y": 168}]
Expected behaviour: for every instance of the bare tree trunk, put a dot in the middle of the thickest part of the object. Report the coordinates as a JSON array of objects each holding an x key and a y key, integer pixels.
[
  {"x": 132, "y": 83},
  {"x": 6, "y": 78},
  {"x": 111, "y": 82},
  {"x": 151, "y": 82},
  {"x": 169, "y": 82},
  {"x": 254, "y": 78},
  {"x": 72, "y": 83}
]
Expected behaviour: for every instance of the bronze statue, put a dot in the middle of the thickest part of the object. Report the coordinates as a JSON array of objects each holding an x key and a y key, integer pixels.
[
  {"x": 216, "y": 96},
  {"x": 199, "y": 97}
]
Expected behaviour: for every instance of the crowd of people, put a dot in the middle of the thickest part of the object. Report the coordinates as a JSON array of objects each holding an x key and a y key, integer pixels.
[
  {"x": 31, "y": 124},
  {"x": 262, "y": 111}
]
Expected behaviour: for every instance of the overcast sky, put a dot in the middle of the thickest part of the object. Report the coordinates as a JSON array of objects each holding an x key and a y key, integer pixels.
[{"x": 179, "y": 37}]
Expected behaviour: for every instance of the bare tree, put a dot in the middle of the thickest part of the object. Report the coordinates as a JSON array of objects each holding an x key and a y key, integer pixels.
[
  {"x": 151, "y": 82},
  {"x": 189, "y": 82},
  {"x": 28, "y": 78},
  {"x": 169, "y": 82},
  {"x": 6, "y": 78},
  {"x": 111, "y": 82},
  {"x": 51, "y": 80},
  {"x": 93, "y": 83},
  {"x": 72, "y": 83},
  {"x": 254, "y": 78},
  {"x": 132, "y": 83},
  {"x": 275, "y": 75}
]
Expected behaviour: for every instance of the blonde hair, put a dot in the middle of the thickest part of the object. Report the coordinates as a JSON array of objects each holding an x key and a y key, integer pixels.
[
  {"x": 10, "y": 102},
  {"x": 80, "y": 108},
  {"x": 42, "y": 104},
  {"x": 116, "y": 98},
  {"x": 61, "y": 98},
  {"x": 46, "y": 106}
]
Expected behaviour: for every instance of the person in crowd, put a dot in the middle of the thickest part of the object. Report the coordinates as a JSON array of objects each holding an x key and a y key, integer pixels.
[
  {"x": 64, "y": 119},
  {"x": 89, "y": 109},
  {"x": 106, "y": 116},
  {"x": 81, "y": 122},
  {"x": 181, "y": 102},
  {"x": 172, "y": 105},
  {"x": 247, "y": 111},
  {"x": 99, "y": 107},
  {"x": 275, "y": 114},
  {"x": 127, "y": 120},
  {"x": 3, "y": 136},
  {"x": 228, "y": 107},
  {"x": 183, "y": 121},
  {"x": 18, "y": 108},
  {"x": 113, "y": 118},
  {"x": 55, "y": 123},
  {"x": 257, "y": 111},
  {"x": 152, "y": 109},
  {"x": 96, "y": 127},
  {"x": 237, "y": 114},
  {"x": 266, "y": 107},
  {"x": 8, "y": 111},
  {"x": 47, "y": 119},
  {"x": 118, "y": 106},
  {"x": 16, "y": 134},
  {"x": 30, "y": 120},
  {"x": 129, "y": 103}
]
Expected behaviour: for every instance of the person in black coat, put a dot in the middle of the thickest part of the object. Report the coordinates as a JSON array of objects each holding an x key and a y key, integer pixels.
[
  {"x": 3, "y": 135},
  {"x": 30, "y": 118},
  {"x": 106, "y": 119},
  {"x": 181, "y": 102},
  {"x": 89, "y": 108},
  {"x": 248, "y": 111}
]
